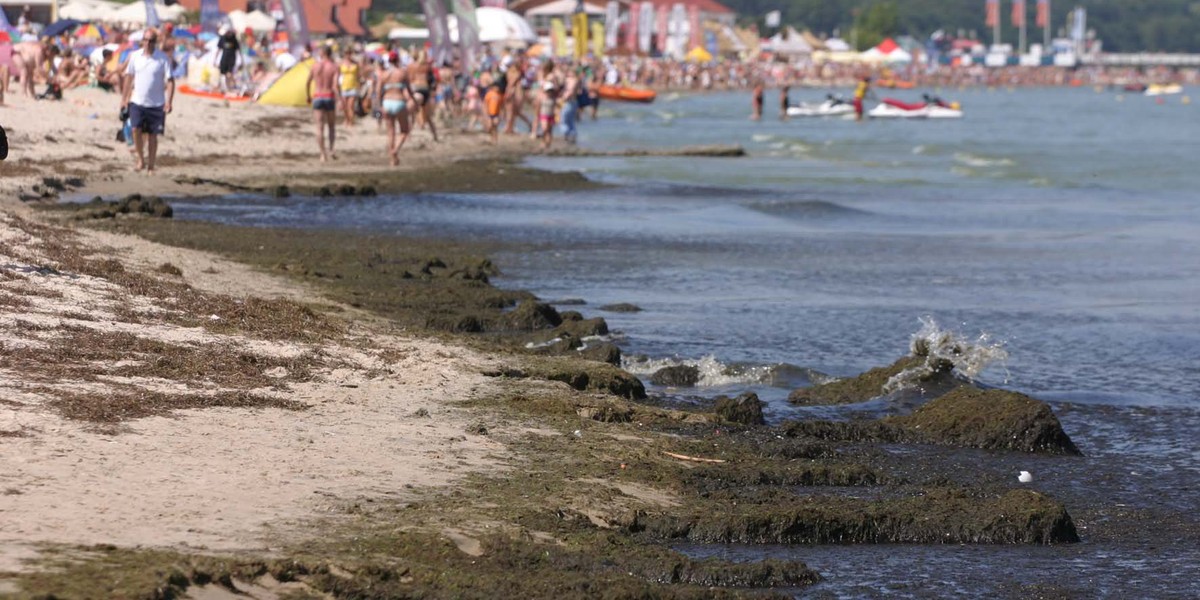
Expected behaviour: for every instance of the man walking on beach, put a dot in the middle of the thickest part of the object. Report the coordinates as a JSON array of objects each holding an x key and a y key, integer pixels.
[
  {"x": 321, "y": 91},
  {"x": 149, "y": 90}
]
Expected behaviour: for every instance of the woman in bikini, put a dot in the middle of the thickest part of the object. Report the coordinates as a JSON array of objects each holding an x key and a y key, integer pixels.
[
  {"x": 421, "y": 80},
  {"x": 348, "y": 80},
  {"x": 514, "y": 96},
  {"x": 393, "y": 97}
]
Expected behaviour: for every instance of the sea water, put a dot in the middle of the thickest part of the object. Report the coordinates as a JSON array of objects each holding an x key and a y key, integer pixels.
[{"x": 1055, "y": 232}]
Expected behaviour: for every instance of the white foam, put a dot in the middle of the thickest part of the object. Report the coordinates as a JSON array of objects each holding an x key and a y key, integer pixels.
[
  {"x": 979, "y": 161},
  {"x": 534, "y": 345},
  {"x": 969, "y": 357},
  {"x": 713, "y": 373}
]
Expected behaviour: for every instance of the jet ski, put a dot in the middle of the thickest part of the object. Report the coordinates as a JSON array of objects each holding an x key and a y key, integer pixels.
[
  {"x": 940, "y": 109},
  {"x": 931, "y": 108},
  {"x": 1163, "y": 89},
  {"x": 833, "y": 106}
]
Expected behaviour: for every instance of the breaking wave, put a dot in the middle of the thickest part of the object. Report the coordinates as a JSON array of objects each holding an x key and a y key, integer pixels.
[
  {"x": 714, "y": 373},
  {"x": 941, "y": 349}
]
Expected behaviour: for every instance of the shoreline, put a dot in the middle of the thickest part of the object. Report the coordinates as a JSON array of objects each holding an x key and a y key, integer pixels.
[{"x": 516, "y": 455}]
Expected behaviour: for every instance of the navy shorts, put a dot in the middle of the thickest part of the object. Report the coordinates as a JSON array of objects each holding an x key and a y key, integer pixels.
[
  {"x": 324, "y": 104},
  {"x": 147, "y": 119}
]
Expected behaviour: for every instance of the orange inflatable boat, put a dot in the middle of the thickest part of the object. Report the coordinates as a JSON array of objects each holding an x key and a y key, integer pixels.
[
  {"x": 625, "y": 94},
  {"x": 211, "y": 95}
]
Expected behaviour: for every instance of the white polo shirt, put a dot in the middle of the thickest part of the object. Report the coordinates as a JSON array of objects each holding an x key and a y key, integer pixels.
[{"x": 150, "y": 77}]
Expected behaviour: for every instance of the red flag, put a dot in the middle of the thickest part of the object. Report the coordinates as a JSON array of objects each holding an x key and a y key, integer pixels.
[
  {"x": 993, "y": 13},
  {"x": 1043, "y": 13},
  {"x": 631, "y": 29},
  {"x": 1018, "y": 13}
]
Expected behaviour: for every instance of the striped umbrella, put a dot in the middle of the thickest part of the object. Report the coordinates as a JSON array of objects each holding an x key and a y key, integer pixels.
[{"x": 90, "y": 30}]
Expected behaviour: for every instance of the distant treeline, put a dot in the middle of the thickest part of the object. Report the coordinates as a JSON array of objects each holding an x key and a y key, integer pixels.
[{"x": 1124, "y": 25}]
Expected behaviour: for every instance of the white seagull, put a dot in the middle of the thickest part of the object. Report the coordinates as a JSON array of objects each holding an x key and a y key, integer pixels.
[{"x": 1025, "y": 477}]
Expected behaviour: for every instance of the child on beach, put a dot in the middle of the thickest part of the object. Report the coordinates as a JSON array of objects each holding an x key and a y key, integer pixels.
[{"x": 493, "y": 101}]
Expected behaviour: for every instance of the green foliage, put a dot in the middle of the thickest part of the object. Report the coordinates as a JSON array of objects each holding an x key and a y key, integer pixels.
[
  {"x": 877, "y": 22},
  {"x": 1124, "y": 25}
]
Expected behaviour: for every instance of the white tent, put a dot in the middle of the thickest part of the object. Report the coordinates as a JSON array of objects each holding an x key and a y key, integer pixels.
[
  {"x": 409, "y": 34},
  {"x": 88, "y": 10},
  {"x": 256, "y": 21},
  {"x": 497, "y": 25},
  {"x": 790, "y": 43},
  {"x": 888, "y": 51},
  {"x": 560, "y": 8},
  {"x": 837, "y": 45},
  {"x": 136, "y": 13}
]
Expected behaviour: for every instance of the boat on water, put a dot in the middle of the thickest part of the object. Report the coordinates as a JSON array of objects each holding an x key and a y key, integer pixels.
[
  {"x": 1163, "y": 89},
  {"x": 188, "y": 90},
  {"x": 831, "y": 107},
  {"x": 622, "y": 93},
  {"x": 931, "y": 108}
]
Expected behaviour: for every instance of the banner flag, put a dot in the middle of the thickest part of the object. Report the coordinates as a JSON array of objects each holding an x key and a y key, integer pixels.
[
  {"x": 645, "y": 27},
  {"x": 696, "y": 38},
  {"x": 210, "y": 15},
  {"x": 1043, "y": 13},
  {"x": 631, "y": 28},
  {"x": 612, "y": 20},
  {"x": 296, "y": 25},
  {"x": 660, "y": 28},
  {"x": 1018, "y": 13},
  {"x": 579, "y": 34},
  {"x": 558, "y": 38},
  {"x": 468, "y": 33},
  {"x": 993, "y": 13},
  {"x": 152, "y": 19},
  {"x": 679, "y": 30},
  {"x": 599, "y": 40},
  {"x": 5, "y": 25},
  {"x": 439, "y": 32}
]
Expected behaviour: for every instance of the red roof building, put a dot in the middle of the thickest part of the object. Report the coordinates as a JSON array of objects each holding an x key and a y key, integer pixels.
[{"x": 324, "y": 17}]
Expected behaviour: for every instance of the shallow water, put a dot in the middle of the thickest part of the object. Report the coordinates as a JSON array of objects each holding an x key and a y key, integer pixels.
[{"x": 1062, "y": 223}]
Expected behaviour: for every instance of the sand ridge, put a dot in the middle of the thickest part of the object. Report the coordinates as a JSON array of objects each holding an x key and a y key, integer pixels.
[{"x": 215, "y": 478}]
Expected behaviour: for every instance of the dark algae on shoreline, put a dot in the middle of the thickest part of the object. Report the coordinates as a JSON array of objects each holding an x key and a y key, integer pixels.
[{"x": 592, "y": 503}]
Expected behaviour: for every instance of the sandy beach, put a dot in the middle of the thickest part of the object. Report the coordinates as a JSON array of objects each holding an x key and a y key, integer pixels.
[
  {"x": 378, "y": 421},
  {"x": 256, "y": 414}
]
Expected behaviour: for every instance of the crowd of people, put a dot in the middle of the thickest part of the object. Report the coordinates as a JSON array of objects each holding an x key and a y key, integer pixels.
[{"x": 509, "y": 91}]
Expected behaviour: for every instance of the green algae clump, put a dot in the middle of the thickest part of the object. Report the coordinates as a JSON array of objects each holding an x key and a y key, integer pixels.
[{"x": 989, "y": 419}]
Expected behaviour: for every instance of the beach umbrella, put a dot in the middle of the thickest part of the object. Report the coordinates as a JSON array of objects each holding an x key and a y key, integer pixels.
[
  {"x": 90, "y": 30},
  {"x": 58, "y": 27}
]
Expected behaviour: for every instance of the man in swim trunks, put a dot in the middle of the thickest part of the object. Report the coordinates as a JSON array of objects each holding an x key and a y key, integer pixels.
[
  {"x": 321, "y": 90},
  {"x": 757, "y": 107},
  {"x": 148, "y": 94}
]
